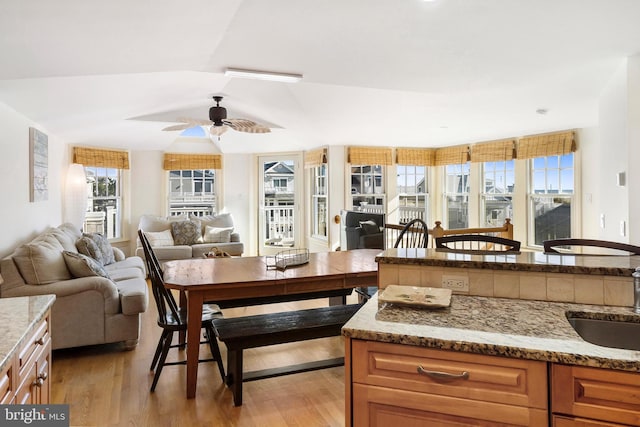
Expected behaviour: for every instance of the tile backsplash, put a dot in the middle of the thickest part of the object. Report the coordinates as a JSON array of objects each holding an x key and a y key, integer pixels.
[{"x": 560, "y": 287}]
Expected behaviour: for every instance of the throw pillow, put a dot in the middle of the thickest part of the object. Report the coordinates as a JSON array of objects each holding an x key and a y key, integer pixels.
[
  {"x": 87, "y": 246},
  {"x": 159, "y": 238},
  {"x": 82, "y": 266},
  {"x": 217, "y": 235},
  {"x": 186, "y": 232},
  {"x": 41, "y": 262},
  {"x": 369, "y": 227},
  {"x": 105, "y": 247},
  {"x": 223, "y": 220}
]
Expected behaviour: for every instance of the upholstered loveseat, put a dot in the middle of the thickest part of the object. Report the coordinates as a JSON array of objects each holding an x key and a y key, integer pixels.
[
  {"x": 100, "y": 295},
  {"x": 183, "y": 237}
]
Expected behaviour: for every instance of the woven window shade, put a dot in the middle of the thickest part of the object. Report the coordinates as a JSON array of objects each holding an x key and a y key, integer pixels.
[
  {"x": 551, "y": 144},
  {"x": 101, "y": 158},
  {"x": 173, "y": 161},
  {"x": 370, "y": 156},
  {"x": 494, "y": 151},
  {"x": 416, "y": 156},
  {"x": 452, "y": 155},
  {"x": 315, "y": 158}
]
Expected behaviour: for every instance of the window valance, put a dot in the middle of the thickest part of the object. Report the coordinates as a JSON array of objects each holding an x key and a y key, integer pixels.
[
  {"x": 176, "y": 161},
  {"x": 493, "y": 151},
  {"x": 370, "y": 156},
  {"x": 452, "y": 155},
  {"x": 97, "y": 157},
  {"x": 415, "y": 156},
  {"x": 315, "y": 158},
  {"x": 550, "y": 144}
]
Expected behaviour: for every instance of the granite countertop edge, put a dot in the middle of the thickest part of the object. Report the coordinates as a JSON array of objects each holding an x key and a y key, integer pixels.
[
  {"x": 13, "y": 338},
  {"x": 522, "y": 261},
  {"x": 545, "y": 336}
]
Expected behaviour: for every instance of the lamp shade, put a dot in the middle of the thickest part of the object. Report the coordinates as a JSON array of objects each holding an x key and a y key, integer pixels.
[{"x": 75, "y": 195}]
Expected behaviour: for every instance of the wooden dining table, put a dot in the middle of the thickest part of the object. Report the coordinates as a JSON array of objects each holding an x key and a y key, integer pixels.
[{"x": 241, "y": 278}]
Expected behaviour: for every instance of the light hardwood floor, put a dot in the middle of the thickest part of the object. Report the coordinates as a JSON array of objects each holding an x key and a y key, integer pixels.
[{"x": 105, "y": 386}]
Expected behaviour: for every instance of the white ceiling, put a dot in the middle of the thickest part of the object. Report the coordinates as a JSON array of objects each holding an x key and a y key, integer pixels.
[{"x": 376, "y": 72}]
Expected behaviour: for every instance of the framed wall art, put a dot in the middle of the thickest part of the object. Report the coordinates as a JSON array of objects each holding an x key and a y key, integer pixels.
[{"x": 38, "y": 165}]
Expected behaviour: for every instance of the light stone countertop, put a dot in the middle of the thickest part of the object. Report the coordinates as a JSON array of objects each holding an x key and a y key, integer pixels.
[
  {"x": 521, "y": 329},
  {"x": 18, "y": 317},
  {"x": 522, "y": 261}
]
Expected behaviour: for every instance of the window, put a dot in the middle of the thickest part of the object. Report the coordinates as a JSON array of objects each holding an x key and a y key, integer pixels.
[
  {"x": 319, "y": 201},
  {"x": 456, "y": 197},
  {"x": 412, "y": 193},
  {"x": 367, "y": 188},
  {"x": 280, "y": 184},
  {"x": 551, "y": 190},
  {"x": 497, "y": 192},
  {"x": 104, "y": 208},
  {"x": 192, "y": 192}
]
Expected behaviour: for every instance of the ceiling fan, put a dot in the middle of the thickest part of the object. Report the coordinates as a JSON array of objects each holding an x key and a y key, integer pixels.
[{"x": 219, "y": 122}]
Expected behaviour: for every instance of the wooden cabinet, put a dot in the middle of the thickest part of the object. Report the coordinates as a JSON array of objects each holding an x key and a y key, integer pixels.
[
  {"x": 394, "y": 384},
  {"x": 587, "y": 397},
  {"x": 28, "y": 376}
]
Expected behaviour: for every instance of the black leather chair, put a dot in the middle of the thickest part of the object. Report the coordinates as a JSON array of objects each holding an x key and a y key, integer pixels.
[{"x": 362, "y": 230}]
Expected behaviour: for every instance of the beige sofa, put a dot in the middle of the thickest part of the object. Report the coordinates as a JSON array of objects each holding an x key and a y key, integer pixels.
[
  {"x": 183, "y": 237},
  {"x": 89, "y": 308}
]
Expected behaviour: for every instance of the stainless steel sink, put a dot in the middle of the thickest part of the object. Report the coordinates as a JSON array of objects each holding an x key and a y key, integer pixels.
[{"x": 608, "y": 333}]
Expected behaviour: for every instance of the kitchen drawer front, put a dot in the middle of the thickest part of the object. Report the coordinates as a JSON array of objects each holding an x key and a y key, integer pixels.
[
  {"x": 490, "y": 378},
  {"x": 380, "y": 406},
  {"x": 600, "y": 394},
  {"x": 35, "y": 343},
  {"x": 560, "y": 421}
]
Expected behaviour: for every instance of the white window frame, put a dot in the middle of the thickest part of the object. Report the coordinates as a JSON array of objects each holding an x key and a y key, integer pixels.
[
  {"x": 319, "y": 198},
  {"x": 109, "y": 221},
  {"x": 410, "y": 190},
  {"x": 461, "y": 170},
  {"x": 500, "y": 171},
  {"x": 196, "y": 203},
  {"x": 376, "y": 201},
  {"x": 566, "y": 192}
]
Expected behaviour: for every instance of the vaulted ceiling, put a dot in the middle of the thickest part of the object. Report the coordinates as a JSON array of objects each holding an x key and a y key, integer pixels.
[{"x": 376, "y": 72}]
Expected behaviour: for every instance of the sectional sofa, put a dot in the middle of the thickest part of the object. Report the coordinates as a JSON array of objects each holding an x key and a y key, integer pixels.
[{"x": 100, "y": 294}]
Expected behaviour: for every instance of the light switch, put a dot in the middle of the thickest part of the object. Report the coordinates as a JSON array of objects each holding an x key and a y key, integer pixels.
[
  {"x": 623, "y": 228},
  {"x": 601, "y": 220}
]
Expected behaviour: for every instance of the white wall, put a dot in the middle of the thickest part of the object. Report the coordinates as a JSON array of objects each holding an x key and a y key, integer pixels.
[
  {"x": 608, "y": 158},
  {"x": 239, "y": 183},
  {"x": 633, "y": 135},
  {"x": 20, "y": 219}
]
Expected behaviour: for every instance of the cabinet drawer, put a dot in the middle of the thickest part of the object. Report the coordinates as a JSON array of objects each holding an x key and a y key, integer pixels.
[
  {"x": 600, "y": 394},
  {"x": 559, "y": 421},
  {"x": 490, "y": 378},
  {"x": 37, "y": 342},
  {"x": 380, "y": 406}
]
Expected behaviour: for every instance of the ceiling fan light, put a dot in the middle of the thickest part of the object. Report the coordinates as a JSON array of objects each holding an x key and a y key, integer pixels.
[{"x": 263, "y": 75}]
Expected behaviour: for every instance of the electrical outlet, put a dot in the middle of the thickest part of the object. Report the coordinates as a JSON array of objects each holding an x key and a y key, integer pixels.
[{"x": 456, "y": 283}]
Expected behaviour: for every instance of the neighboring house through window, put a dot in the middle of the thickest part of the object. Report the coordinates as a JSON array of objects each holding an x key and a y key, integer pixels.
[
  {"x": 498, "y": 180},
  {"x": 192, "y": 192},
  {"x": 456, "y": 197},
  {"x": 367, "y": 188},
  {"x": 104, "y": 207}
]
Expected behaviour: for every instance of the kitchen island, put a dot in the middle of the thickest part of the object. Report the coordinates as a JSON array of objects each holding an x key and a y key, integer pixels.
[{"x": 503, "y": 353}]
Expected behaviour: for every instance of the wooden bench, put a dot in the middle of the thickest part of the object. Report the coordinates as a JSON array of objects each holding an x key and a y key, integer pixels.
[{"x": 240, "y": 333}]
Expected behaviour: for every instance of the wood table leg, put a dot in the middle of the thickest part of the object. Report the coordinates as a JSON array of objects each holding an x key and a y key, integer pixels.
[{"x": 194, "y": 325}]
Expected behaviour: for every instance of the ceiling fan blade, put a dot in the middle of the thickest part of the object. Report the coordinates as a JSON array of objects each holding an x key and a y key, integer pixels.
[
  {"x": 218, "y": 130},
  {"x": 248, "y": 126},
  {"x": 178, "y": 127}
]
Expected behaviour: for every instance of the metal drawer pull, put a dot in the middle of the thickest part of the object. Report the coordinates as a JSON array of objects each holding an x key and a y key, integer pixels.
[
  {"x": 437, "y": 375},
  {"x": 40, "y": 341},
  {"x": 39, "y": 382}
]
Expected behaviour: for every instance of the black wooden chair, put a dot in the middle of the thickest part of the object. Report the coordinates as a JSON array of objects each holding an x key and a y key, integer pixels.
[
  {"x": 477, "y": 243},
  {"x": 612, "y": 247},
  {"x": 172, "y": 318},
  {"x": 415, "y": 234}
]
